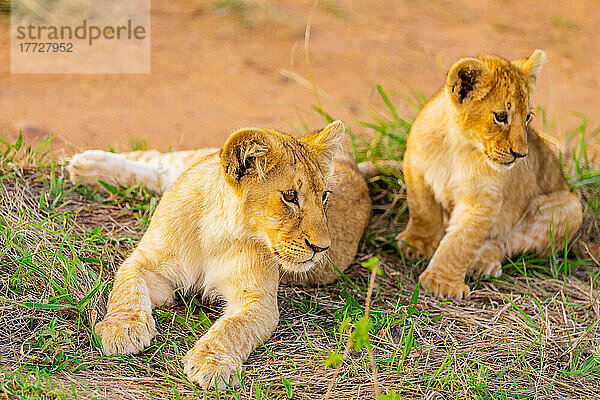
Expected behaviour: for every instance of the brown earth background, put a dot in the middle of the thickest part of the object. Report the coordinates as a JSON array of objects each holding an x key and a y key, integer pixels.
[{"x": 216, "y": 68}]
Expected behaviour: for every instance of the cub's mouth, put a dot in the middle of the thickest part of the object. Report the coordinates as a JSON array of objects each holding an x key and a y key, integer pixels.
[
  {"x": 293, "y": 265},
  {"x": 500, "y": 165}
]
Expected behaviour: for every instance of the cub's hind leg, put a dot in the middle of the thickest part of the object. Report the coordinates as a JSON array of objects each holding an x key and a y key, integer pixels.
[
  {"x": 93, "y": 165},
  {"x": 488, "y": 260},
  {"x": 156, "y": 170},
  {"x": 549, "y": 221},
  {"x": 128, "y": 326},
  {"x": 176, "y": 162}
]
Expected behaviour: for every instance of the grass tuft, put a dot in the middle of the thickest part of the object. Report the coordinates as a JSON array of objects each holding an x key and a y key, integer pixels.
[{"x": 532, "y": 333}]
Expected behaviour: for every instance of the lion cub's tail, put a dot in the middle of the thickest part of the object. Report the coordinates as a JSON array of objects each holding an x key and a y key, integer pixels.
[
  {"x": 587, "y": 249},
  {"x": 382, "y": 167}
]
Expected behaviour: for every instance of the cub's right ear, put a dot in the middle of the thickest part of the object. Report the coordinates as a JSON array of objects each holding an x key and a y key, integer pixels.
[
  {"x": 245, "y": 155},
  {"x": 325, "y": 143},
  {"x": 466, "y": 80},
  {"x": 532, "y": 67}
]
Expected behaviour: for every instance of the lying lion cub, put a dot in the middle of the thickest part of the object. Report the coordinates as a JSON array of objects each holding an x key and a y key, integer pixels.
[
  {"x": 473, "y": 157},
  {"x": 224, "y": 227}
]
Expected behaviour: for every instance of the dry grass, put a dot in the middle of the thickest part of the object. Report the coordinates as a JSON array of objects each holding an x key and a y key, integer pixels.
[{"x": 533, "y": 333}]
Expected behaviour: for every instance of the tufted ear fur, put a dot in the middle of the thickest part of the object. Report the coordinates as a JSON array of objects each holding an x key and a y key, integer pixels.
[
  {"x": 245, "y": 155},
  {"x": 532, "y": 67},
  {"x": 466, "y": 80},
  {"x": 325, "y": 143}
]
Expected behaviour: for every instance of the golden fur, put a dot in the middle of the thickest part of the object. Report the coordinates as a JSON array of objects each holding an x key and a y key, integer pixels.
[
  {"x": 224, "y": 227},
  {"x": 481, "y": 183}
]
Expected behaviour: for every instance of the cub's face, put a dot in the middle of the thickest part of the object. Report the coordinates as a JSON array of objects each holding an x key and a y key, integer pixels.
[
  {"x": 291, "y": 214},
  {"x": 284, "y": 193},
  {"x": 492, "y": 99}
]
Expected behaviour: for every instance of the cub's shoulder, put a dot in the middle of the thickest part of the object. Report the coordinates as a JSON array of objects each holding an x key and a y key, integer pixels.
[{"x": 545, "y": 157}]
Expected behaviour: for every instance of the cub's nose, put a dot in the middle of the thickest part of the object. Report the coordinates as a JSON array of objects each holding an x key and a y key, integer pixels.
[
  {"x": 517, "y": 155},
  {"x": 317, "y": 249}
]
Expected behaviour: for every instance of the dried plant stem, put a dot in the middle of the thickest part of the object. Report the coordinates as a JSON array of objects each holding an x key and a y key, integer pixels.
[
  {"x": 349, "y": 345},
  {"x": 369, "y": 349},
  {"x": 311, "y": 77}
]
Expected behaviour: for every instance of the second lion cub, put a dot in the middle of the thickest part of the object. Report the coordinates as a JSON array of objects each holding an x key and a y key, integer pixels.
[{"x": 473, "y": 158}]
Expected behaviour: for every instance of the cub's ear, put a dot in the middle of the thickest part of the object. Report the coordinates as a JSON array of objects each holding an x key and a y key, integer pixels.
[
  {"x": 532, "y": 67},
  {"x": 246, "y": 154},
  {"x": 325, "y": 143},
  {"x": 466, "y": 80}
]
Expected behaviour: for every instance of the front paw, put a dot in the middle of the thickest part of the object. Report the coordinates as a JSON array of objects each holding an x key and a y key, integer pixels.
[
  {"x": 126, "y": 332},
  {"x": 440, "y": 285},
  {"x": 416, "y": 248},
  {"x": 208, "y": 365}
]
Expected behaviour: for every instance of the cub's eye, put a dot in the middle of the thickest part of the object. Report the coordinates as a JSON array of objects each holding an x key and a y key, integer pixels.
[
  {"x": 290, "y": 196},
  {"x": 326, "y": 196},
  {"x": 528, "y": 117},
  {"x": 501, "y": 117}
]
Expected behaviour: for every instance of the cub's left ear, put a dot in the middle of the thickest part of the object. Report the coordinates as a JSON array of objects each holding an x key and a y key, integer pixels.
[
  {"x": 325, "y": 143},
  {"x": 532, "y": 67}
]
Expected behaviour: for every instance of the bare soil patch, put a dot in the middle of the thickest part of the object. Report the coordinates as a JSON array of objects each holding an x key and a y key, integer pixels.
[{"x": 217, "y": 67}]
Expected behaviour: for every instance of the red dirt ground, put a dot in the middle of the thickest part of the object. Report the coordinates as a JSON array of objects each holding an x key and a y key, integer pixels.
[{"x": 212, "y": 73}]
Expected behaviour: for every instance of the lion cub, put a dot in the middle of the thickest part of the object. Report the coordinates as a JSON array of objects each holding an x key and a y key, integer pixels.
[
  {"x": 265, "y": 200},
  {"x": 473, "y": 159}
]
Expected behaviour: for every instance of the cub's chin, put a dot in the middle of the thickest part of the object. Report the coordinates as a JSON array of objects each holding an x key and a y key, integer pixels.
[
  {"x": 299, "y": 267},
  {"x": 499, "y": 166}
]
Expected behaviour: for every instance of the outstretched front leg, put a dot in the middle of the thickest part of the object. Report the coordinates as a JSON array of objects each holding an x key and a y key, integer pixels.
[
  {"x": 250, "y": 318},
  {"x": 128, "y": 326}
]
